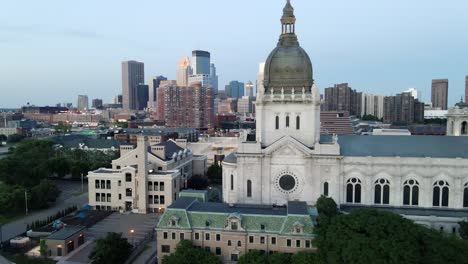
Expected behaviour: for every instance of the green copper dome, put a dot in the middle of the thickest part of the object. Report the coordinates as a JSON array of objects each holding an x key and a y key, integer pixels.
[{"x": 288, "y": 66}]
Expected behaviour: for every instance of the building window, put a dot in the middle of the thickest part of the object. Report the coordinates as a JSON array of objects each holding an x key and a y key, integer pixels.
[
  {"x": 182, "y": 236},
  {"x": 273, "y": 240},
  {"x": 325, "y": 188},
  {"x": 161, "y": 187},
  {"x": 353, "y": 191},
  {"x": 298, "y": 122},
  {"x": 173, "y": 235},
  {"x": 262, "y": 240},
  {"x": 440, "y": 195},
  {"x": 229, "y": 242},
  {"x": 96, "y": 184},
  {"x": 108, "y": 184},
  {"x": 207, "y": 236},
  {"x": 465, "y": 195},
  {"x": 411, "y": 192},
  {"x": 165, "y": 235},
  {"x": 232, "y": 182},
  {"x": 218, "y": 251},
  {"x": 277, "y": 122},
  {"x": 120, "y": 183},
  {"x": 233, "y": 225},
  {"x": 288, "y": 242},
  {"x": 262, "y": 227},
  {"x": 307, "y": 243},
  {"x": 161, "y": 199},
  {"x": 464, "y": 128},
  {"x": 287, "y": 121},
  {"x": 103, "y": 197},
  {"x": 165, "y": 249},
  {"x": 98, "y": 197},
  {"x": 218, "y": 237},
  {"x": 197, "y": 236},
  {"x": 103, "y": 184},
  {"x": 150, "y": 186},
  {"x": 234, "y": 257},
  {"x": 298, "y": 243},
  {"x": 207, "y": 223},
  {"x": 251, "y": 239},
  {"x": 382, "y": 191},
  {"x": 128, "y": 192},
  {"x": 249, "y": 188},
  {"x": 239, "y": 244},
  {"x": 128, "y": 177},
  {"x": 120, "y": 196},
  {"x": 150, "y": 199},
  {"x": 108, "y": 197}
]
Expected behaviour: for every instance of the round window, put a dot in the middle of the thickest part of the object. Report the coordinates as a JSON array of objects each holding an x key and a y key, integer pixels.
[{"x": 287, "y": 182}]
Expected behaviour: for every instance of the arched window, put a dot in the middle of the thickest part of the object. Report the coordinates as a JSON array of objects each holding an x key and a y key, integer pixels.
[
  {"x": 249, "y": 188},
  {"x": 452, "y": 127},
  {"x": 277, "y": 122},
  {"x": 232, "y": 182},
  {"x": 464, "y": 128},
  {"x": 325, "y": 188},
  {"x": 411, "y": 192},
  {"x": 465, "y": 195},
  {"x": 353, "y": 191},
  {"x": 298, "y": 122},
  {"x": 440, "y": 194},
  {"x": 287, "y": 121},
  {"x": 239, "y": 243},
  {"x": 382, "y": 192}
]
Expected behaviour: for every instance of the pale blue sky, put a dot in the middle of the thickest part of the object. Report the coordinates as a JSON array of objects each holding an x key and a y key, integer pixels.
[{"x": 53, "y": 50}]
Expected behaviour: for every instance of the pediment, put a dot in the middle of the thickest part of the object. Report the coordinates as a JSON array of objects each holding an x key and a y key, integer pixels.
[{"x": 287, "y": 146}]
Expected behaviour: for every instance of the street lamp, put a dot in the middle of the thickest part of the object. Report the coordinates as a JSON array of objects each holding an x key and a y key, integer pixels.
[{"x": 132, "y": 232}]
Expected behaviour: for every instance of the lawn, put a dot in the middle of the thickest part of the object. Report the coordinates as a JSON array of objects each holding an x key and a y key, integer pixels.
[{"x": 22, "y": 259}]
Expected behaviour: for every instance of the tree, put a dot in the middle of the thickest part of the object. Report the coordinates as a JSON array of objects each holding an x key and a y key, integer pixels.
[
  {"x": 3, "y": 137},
  {"x": 112, "y": 248},
  {"x": 463, "y": 229},
  {"x": 44, "y": 193},
  {"x": 78, "y": 168},
  {"x": 215, "y": 173},
  {"x": 43, "y": 248},
  {"x": 187, "y": 254},
  {"x": 61, "y": 166},
  {"x": 15, "y": 138},
  {"x": 253, "y": 257},
  {"x": 304, "y": 258},
  {"x": 327, "y": 209},
  {"x": 197, "y": 182},
  {"x": 279, "y": 258}
]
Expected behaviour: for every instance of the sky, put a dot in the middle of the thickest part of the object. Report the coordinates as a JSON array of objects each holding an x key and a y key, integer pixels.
[{"x": 53, "y": 50}]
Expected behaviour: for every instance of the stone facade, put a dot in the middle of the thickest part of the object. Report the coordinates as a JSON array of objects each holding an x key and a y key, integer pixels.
[{"x": 457, "y": 120}]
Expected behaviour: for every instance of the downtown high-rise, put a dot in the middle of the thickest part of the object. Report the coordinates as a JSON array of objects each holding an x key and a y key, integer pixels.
[
  {"x": 133, "y": 74},
  {"x": 439, "y": 94},
  {"x": 83, "y": 103}
]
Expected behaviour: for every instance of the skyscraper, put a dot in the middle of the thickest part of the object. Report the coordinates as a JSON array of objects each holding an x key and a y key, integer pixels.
[
  {"x": 403, "y": 108},
  {"x": 466, "y": 89},
  {"x": 214, "y": 78},
  {"x": 133, "y": 74},
  {"x": 83, "y": 103},
  {"x": 439, "y": 93},
  {"x": 142, "y": 96},
  {"x": 201, "y": 62},
  {"x": 235, "y": 89},
  {"x": 341, "y": 97},
  {"x": 184, "y": 70},
  {"x": 249, "y": 89},
  {"x": 153, "y": 85},
  {"x": 97, "y": 103}
]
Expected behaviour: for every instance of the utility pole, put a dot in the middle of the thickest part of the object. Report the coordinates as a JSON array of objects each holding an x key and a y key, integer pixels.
[
  {"x": 82, "y": 190},
  {"x": 26, "y": 201}
]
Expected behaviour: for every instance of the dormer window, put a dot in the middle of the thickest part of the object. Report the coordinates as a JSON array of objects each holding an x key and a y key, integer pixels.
[
  {"x": 207, "y": 223},
  {"x": 298, "y": 228},
  {"x": 262, "y": 227},
  {"x": 234, "y": 225},
  {"x": 174, "y": 221}
]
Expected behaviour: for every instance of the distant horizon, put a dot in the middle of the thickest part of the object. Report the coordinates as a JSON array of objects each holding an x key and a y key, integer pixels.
[{"x": 54, "y": 51}]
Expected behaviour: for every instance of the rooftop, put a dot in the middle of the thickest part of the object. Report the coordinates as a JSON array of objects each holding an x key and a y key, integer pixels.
[
  {"x": 66, "y": 232},
  {"x": 170, "y": 147}
]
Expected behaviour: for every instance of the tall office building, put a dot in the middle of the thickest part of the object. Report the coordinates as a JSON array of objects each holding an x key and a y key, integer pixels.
[
  {"x": 190, "y": 106},
  {"x": 153, "y": 85},
  {"x": 341, "y": 97},
  {"x": 201, "y": 62},
  {"x": 466, "y": 89},
  {"x": 439, "y": 96},
  {"x": 83, "y": 104},
  {"x": 97, "y": 103},
  {"x": 235, "y": 89},
  {"x": 142, "y": 96},
  {"x": 133, "y": 74},
  {"x": 184, "y": 70},
  {"x": 249, "y": 89},
  {"x": 214, "y": 78}
]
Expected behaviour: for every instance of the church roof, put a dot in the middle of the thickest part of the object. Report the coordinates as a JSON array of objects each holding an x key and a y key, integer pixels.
[
  {"x": 402, "y": 146},
  {"x": 231, "y": 158}
]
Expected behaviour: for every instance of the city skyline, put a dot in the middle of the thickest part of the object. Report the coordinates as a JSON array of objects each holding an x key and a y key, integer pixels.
[{"x": 374, "y": 50}]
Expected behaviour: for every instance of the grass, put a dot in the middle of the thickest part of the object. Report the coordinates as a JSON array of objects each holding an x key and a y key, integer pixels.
[{"x": 22, "y": 259}]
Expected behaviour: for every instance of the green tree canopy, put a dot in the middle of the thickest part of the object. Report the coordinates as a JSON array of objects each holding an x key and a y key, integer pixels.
[
  {"x": 111, "y": 249},
  {"x": 253, "y": 257},
  {"x": 187, "y": 254},
  {"x": 197, "y": 182},
  {"x": 215, "y": 173}
]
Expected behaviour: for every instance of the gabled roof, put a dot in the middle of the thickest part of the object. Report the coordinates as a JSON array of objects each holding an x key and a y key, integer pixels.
[{"x": 170, "y": 147}]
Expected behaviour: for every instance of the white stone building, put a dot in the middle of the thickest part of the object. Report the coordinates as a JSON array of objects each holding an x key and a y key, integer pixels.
[
  {"x": 457, "y": 120},
  {"x": 424, "y": 178},
  {"x": 144, "y": 179}
]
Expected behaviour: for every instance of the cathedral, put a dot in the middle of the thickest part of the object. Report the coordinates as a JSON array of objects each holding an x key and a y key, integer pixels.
[{"x": 424, "y": 178}]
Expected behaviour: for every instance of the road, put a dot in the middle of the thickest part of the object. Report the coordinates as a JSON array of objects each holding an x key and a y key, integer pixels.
[{"x": 65, "y": 200}]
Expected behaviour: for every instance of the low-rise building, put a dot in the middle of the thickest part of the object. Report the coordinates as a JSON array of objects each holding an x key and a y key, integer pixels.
[
  {"x": 64, "y": 241},
  {"x": 146, "y": 178},
  {"x": 230, "y": 230}
]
